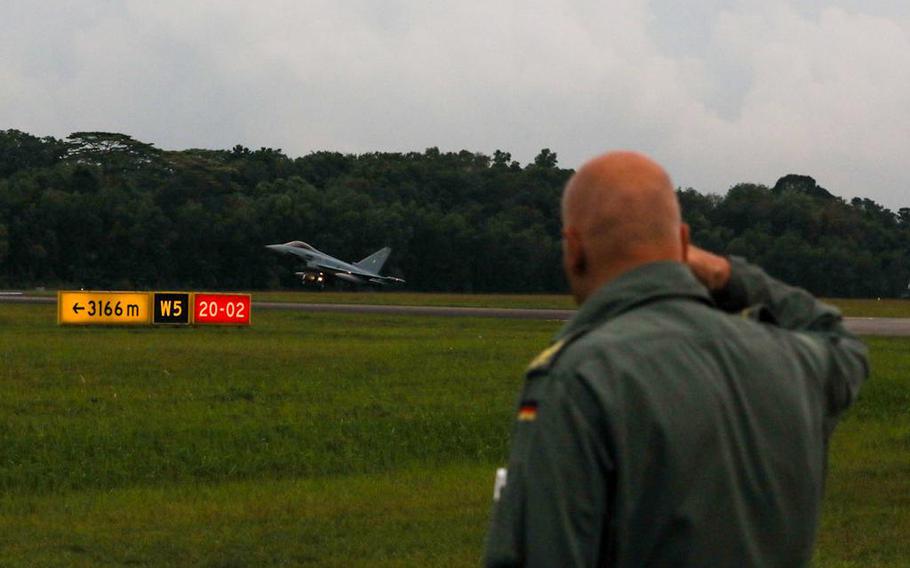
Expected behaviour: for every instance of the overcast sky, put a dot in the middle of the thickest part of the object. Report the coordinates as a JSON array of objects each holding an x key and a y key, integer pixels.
[{"x": 718, "y": 91}]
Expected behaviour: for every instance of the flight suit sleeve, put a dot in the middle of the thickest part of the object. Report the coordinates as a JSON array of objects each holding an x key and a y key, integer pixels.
[
  {"x": 834, "y": 354},
  {"x": 553, "y": 508}
]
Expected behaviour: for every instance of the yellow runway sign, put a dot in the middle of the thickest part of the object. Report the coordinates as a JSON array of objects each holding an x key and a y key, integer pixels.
[{"x": 104, "y": 308}]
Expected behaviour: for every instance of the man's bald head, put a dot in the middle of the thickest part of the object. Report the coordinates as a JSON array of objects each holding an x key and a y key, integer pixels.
[{"x": 618, "y": 211}]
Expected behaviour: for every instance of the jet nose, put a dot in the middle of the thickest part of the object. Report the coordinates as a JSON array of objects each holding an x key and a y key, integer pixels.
[{"x": 276, "y": 248}]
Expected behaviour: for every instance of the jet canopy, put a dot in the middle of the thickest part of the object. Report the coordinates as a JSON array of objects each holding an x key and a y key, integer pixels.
[{"x": 300, "y": 245}]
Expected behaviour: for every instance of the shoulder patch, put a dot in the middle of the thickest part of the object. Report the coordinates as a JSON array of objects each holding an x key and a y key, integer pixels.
[{"x": 544, "y": 357}]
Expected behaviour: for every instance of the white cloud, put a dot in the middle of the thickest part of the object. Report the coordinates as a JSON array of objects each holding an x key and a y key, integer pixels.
[
  {"x": 747, "y": 93},
  {"x": 826, "y": 98}
]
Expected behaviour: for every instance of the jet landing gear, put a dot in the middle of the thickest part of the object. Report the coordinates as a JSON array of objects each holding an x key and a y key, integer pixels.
[{"x": 314, "y": 279}]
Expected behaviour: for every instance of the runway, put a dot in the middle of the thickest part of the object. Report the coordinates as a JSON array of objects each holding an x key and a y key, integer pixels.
[
  {"x": 859, "y": 326},
  {"x": 899, "y": 327},
  {"x": 891, "y": 327},
  {"x": 507, "y": 313}
]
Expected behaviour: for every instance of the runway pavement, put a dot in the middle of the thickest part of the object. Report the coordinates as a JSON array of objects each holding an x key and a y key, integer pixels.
[
  {"x": 860, "y": 326},
  {"x": 891, "y": 327},
  {"x": 509, "y": 313}
]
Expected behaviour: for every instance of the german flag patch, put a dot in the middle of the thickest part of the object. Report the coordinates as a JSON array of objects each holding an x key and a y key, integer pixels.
[{"x": 527, "y": 412}]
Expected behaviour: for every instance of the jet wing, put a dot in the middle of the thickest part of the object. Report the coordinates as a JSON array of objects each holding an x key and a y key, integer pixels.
[
  {"x": 334, "y": 270},
  {"x": 386, "y": 280},
  {"x": 367, "y": 276}
]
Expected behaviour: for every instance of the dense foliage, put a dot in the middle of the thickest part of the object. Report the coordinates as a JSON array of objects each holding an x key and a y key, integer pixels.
[{"x": 105, "y": 210}]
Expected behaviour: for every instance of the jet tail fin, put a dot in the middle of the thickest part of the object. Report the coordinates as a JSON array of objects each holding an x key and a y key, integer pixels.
[{"x": 375, "y": 261}]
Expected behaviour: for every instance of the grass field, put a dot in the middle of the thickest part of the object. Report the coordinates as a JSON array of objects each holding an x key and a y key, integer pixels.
[
  {"x": 872, "y": 308},
  {"x": 325, "y": 440}
]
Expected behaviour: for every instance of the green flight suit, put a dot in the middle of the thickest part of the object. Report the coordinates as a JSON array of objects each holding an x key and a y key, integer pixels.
[{"x": 669, "y": 428}]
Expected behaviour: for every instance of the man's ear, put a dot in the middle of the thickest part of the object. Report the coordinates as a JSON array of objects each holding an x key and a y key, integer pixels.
[
  {"x": 576, "y": 259},
  {"x": 684, "y": 240}
]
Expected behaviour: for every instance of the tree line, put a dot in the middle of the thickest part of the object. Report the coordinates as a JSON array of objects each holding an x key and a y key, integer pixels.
[{"x": 103, "y": 210}]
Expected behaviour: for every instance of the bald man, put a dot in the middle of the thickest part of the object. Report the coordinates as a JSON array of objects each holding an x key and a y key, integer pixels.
[{"x": 681, "y": 418}]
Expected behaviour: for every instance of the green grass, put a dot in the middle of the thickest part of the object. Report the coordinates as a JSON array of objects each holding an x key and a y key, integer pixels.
[
  {"x": 322, "y": 439},
  {"x": 187, "y": 446},
  {"x": 403, "y": 518},
  {"x": 867, "y": 509},
  {"x": 872, "y": 308}
]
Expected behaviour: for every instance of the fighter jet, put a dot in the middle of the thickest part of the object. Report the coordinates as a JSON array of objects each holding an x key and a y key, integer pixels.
[{"x": 320, "y": 266}]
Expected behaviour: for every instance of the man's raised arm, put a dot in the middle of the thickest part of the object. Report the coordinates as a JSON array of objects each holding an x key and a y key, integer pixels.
[{"x": 838, "y": 357}]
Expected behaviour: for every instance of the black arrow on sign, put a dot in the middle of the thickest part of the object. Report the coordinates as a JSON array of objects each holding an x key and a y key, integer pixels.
[{"x": 77, "y": 307}]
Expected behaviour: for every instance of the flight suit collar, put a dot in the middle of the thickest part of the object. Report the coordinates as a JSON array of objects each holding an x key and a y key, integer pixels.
[{"x": 641, "y": 285}]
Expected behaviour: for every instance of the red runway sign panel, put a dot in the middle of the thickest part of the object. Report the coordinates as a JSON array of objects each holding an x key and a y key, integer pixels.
[{"x": 223, "y": 309}]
